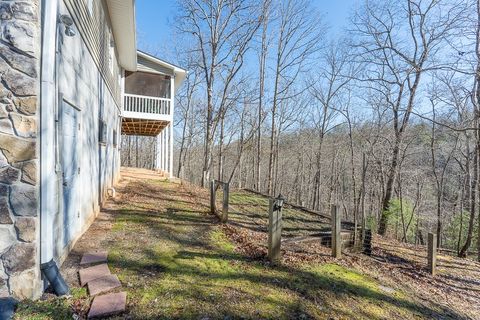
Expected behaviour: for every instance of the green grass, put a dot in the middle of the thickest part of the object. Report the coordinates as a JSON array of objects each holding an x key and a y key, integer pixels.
[
  {"x": 191, "y": 272},
  {"x": 174, "y": 262},
  {"x": 52, "y": 308},
  {"x": 249, "y": 209}
]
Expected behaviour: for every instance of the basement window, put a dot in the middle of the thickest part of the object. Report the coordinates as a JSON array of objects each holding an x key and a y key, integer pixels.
[
  {"x": 102, "y": 135},
  {"x": 114, "y": 138}
]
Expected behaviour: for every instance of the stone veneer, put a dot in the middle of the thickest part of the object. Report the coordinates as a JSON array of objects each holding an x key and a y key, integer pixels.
[{"x": 19, "y": 115}]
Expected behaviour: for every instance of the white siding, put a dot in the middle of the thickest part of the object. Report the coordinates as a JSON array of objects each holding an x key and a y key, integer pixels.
[
  {"x": 148, "y": 66},
  {"x": 81, "y": 84}
]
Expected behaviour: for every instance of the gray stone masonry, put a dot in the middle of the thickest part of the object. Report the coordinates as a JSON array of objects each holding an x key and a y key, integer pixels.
[{"x": 19, "y": 116}]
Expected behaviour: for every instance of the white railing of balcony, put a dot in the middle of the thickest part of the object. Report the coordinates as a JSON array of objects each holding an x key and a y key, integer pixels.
[{"x": 144, "y": 104}]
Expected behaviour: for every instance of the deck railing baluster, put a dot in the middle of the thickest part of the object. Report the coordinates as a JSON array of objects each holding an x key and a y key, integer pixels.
[{"x": 148, "y": 105}]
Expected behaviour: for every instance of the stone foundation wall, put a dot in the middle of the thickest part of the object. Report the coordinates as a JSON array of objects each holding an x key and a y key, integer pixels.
[{"x": 19, "y": 88}]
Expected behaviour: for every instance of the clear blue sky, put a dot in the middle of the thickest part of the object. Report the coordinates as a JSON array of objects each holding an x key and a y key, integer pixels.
[{"x": 155, "y": 20}]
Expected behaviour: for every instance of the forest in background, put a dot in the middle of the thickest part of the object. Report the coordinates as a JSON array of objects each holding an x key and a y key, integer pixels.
[{"x": 382, "y": 120}]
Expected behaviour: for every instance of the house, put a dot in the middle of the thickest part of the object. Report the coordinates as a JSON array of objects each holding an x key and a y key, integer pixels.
[{"x": 72, "y": 82}]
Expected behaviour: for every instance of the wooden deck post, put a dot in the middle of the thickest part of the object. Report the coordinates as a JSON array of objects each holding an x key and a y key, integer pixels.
[
  {"x": 226, "y": 191},
  {"x": 274, "y": 232},
  {"x": 432, "y": 253},
  {"x": 212, "y": 197},
  {"x": 336, "y": 233}
]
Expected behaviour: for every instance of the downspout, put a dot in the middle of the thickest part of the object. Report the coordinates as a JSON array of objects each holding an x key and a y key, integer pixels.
[
  {"x": 47, "y": 129},
  {"x": 48, "y": 97}
]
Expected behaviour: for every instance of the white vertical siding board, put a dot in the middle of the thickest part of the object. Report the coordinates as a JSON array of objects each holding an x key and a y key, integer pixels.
[
  {"x": 83, "y": 85},
  {"x": 172, "y": 99}
]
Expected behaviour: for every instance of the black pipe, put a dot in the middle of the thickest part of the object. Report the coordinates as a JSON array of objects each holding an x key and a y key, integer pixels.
[
  {"x": 51, "y": 272},
  {"x": 7, "y": 308}
]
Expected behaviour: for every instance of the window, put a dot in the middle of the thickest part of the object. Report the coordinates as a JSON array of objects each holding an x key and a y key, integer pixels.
[
  {"x": 114, "y": 138},
  {"x": 102, "y": 135}
]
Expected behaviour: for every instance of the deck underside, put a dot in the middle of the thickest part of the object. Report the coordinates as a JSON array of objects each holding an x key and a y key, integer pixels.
[{"x": 142, "y": 127}]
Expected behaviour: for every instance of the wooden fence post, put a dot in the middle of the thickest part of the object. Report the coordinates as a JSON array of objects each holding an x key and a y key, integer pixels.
[
  {"x": 432, "y": 253},
  {"x": 226, "y": 191},
  {"x": 336, "y": 233},
  {"x": 274, "y": 232},
  {"x": 367, "y": 241},
  {"x": 212, "y": 197}
]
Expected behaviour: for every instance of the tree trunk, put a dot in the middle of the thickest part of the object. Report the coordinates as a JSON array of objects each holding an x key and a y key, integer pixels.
[
  {"x": 263, "y": 59},
  {"x": 473, "y": 188},
  {"x": 382, "y": 226}
]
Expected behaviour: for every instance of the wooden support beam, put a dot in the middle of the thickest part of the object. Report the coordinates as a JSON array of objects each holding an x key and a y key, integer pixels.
[{"x": 142, "y": 127}]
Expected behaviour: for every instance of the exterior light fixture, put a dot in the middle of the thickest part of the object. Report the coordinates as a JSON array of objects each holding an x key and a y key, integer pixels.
[
  {"x": 277, "y": 206},
  {"x": 68, "y": 23}
]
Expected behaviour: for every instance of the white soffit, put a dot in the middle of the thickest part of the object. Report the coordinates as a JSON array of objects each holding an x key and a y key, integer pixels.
[
  {"x": 179, "y": 73},
  {"x": 122, "y": 16}
]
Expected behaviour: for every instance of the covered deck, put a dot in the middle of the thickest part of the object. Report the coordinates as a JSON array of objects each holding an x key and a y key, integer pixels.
[{"x": 148, "y": 104}]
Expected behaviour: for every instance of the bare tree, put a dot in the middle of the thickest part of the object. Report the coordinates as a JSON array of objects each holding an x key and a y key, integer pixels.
[
  {"x": 222, "y": 31},
  {"x": 299, "y": 33},
  {"x": 399, "y": 41},
  {"x": 327, "y": 89},
  {"x": 186, "y": 104},
  {"x": 267, "y": 8}
]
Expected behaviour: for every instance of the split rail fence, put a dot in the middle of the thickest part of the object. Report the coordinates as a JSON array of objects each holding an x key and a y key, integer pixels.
[{"x": 337, "y": 234}]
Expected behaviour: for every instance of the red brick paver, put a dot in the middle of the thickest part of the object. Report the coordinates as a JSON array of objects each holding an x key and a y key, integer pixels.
[
  {"x": 108, "y": 304},
  {"x": 103, "y": 284},
  {"x": 94, "y": 257},
  {"x": 92, "y": 273}
]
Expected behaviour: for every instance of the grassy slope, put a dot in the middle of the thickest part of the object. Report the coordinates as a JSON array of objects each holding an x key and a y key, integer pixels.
[
  {"x": 251, "y": 208},
  {"x": 174, "y": 262}
]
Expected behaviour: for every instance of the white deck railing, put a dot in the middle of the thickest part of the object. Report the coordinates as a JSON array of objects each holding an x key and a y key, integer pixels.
[{"x": 146, "y": 105}]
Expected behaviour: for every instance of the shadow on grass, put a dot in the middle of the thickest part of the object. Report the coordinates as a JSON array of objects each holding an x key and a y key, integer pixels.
[
  {"x": 310, "y": 285},
  {"x": 306, "y": 283},
  {"x": 167, "y": 217},
  {"x": 219, "y": 280}
]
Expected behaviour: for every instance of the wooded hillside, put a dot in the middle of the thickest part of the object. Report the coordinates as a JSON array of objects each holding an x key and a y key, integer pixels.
[{"x": 382, "y": 119}]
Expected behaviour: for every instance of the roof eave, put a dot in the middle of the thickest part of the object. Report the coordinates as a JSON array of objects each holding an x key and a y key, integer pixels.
[{"x": 122, "y": 16}]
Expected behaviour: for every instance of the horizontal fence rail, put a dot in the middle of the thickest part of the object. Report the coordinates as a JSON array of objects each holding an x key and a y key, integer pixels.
[
  {"x": 144, "y": 104},
  {"x": 350, "y": 239}
]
